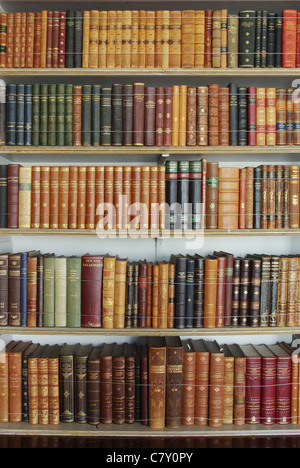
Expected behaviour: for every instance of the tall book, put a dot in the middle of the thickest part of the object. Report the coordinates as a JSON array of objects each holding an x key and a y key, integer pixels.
[
  {"x": 174, "y": 382},
  {"x": 157, "y": 382}
]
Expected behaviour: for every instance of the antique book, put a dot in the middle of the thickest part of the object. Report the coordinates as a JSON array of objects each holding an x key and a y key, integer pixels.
[
  {"x": 188, "y": 39},
  {"x": 246, "y": 38},
  {"x": 93, "y": 385},
  {"x": 118, "y": 384},
  {"x": 289, "y": 35},
  {"x": 15, "y": 380},
  {"x": 210, "y": 291},
  {"x": 202, "y": 380},
  {"x": 239, "y": 385},
  {"x": 212, "y": 195},
  {"x": 253, "y": 384},
  {"x": 91, "y": 291},
  {"x": 174, "y": 381},
  {"x": 188, "y": 383},
  {"x": 67, "y": 408},
  {"x": 283, "y": 384},
  {"x": 157, "y": 381},
  {"x": 216, "y": 379},
  {"x": 228, "y": 203},
  {"x": 269, "y": 377},
  {"x": 81, "y": 383}
]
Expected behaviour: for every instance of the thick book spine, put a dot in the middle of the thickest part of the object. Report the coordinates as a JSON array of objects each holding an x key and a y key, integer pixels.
[
  {"x": 243, "y": 116},
  {"x": 3, "y": 195},
  {"x": 212, "y": 195},
  {"x": 278, "y": 41},
  {"x": 127, "y": 115},
  {"x": 150, "y": 114},
  {"x": 157, "y": 386},
  {"x": 138, "y": 114},
  {"x": 91, "y": 291},
  {"x": 216, "y": 392},
  {"x": 233, "y": 114},
  {"x": 86, "y": 115},
  {"x": 106, "y": 117},
  {"x": 253, "y": 390},
  {"x": 116, "y": 112},
  {"x": 174, "y": 383},
  {"x": 246, "y": 38},
  {"x": 289, "y": 38},
  {"x": 11, "y": 114},
  {"x": 78, "y": 34},
  {"x": 70, "y": 36}
]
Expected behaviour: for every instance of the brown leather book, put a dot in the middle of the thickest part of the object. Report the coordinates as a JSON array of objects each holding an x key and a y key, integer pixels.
[
  {"x": 118, "y": 384},
  {"x": 106, "y": 383},
  {"x": 45, "y": 198},
  {"x": 77, "y": 111},
  {"x": 202, "y": 116},
  {"x": 216, "y": 391},
  {"x": 175, "y": 115},
  {"x": 212, "y": 195},
  {"x": 13, "y": 196},
  {"x": 239, "y": 385},
  {"x": 94, "y": 39},
  {"x": 281, "y": 117},
  {"x": 292, "y": 292},
  {"x": 4, "y": 290},
  {"x": 150, "y": 39},
  {"x": 135, "y": 196},
  {"x": 224, "y": 38},
  {"x": 3, "y": 37},
  {"x": 130, "y": 376},
  {"x": 109, "y": 196},
  {"x": 168, "y": 116},
  {"x": 221, "y": 285},
  {"x": 202, "y": 382},
  {"x": 15, "y": 381},
  {"x": 264, "y": 196},
  {"x": 24, "y": 197},
  {"x": 282, "y": 297},
  {"x": 49, "y": 39},
  {"x": 213, "y": 114},
  {"x": 44, "y": 39},
  {"x": 142, "y": 294},
  {"x": 94, "y": 380},
  {"x": 175, "y": 39},
  {"x": 150, "y": 114},
  {"x": 149, "y": 296},
  {"x": 224, "y": 116},
  {"x": 43, "y": 386},
  {"x": 99, "y": 196},
  {"x": 182, "y": 115},
  {"x": 117, "y": 192},
  {"x": 199, "y": 38},
  {"x": 153, "y": 198},
  {"x": 161, "y": 179},
  {"x": 10, "y": 41},
  {"x": 119, "y": 39},
  {"x": 157, "y": 381},
  {"x": 17, "y": 41},
  {"x": 242, "y": 198},
  {"x": 279, "y": 196},
  {"x": 86, "y": 39},
  {"x": 81, "y": 199},
  {"x": 120, "y": 293},
  {"x": 90, "y": 197},
  {"x": 210, "y": 291},
  {"x": 160, "y": 116},
  {"x": 62, "y": 39},
  {"x": 81, "y": 383},
  {"x": 4, "y": 379},
  {"x": 24, "y": 51},
  {"x": 174, "y": 382},
  {"x": 294, "y": 197},
  {"x": 134, "y": 62},
  {"x": 14, "y": 290},
  {"x": 191, "y": 116},
  {"x": 35, "y": 196},
  {"x": 55, "y": 39},
  {"x": 188, "y": 39},
  {"x": 111, "y": 38},
  {"x": 54, "y": 196},
  {"x": 271, "y": 116},
  {"x": 165, "y": 39},
  {"x": 228, "y": 204},
  {"x": 158, "y": 40},
  {"x": 261, "y": 116},
  {"x": 228, "y": 386},
  {"x": 138, "y": 114},
  {"x": 102, "y": 49},
  {"x": 145, "y": 197},
  {"x": 32, "y": 291},
  {"x": 91, "y": 291},
  {"x": 216, "y": 39},
  {"x": 73, "y": 195},
  {"x": 108, "y": 295},
  {"x": 249, "y": 197},
  {"x": 127, "y": 171},
  {"x": 271, "y": 197},
  {"x": 172, "y": 289},
  {"x": 30, "y": 27},
  {"x": 63, "y": 199},
  {"x": 188, "y": 383},
  {"x": 163, "y": 295},
  {"x": 33, "y": 387}
]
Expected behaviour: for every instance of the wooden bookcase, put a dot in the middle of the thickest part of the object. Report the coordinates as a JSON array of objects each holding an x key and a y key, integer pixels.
[{"x": 160, "y": 246}]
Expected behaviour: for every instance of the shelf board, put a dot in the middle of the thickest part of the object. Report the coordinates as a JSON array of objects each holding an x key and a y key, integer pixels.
[
  {"x": 161, "y": 234},
  {"x": 144, "y": 332},
  {"x": 138, "y": 430},
  {"x": 146, "y": 72}
]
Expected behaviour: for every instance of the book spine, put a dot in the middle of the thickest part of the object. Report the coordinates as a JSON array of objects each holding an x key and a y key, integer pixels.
[
  {"x": 138, "y": 114},
  {"x": 174, "y": 383},
  {"x": 157, "y": 387},
  {"x": 62, "y": 40},
  {"x": 289, "y": 38},
  {"x": 70, "y": 35},
  {"x": 216, "y": 393},
  {"x": 253, "y": 390},
  {"x": 67, "y": 388},
  {"x": 246, "y": 38}
]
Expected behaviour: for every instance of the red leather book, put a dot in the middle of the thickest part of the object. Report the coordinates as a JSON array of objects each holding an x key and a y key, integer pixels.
[
  {"x": 202, "y": 382},
  {"x": 130, "y": 351},
  {"x": 138, "y": 114},
  {"x": 49, "y": 39},
  {"x": 150, "y": 114},
  {"x": 55, "y": 39},
  {"x": 208, "y": 39},
  {"x": 35, "y": 196},
  {"x": 213, "y": 115},
  {"x": 15, "y": 381},
  {"x": 160, "y": 116},
  {"x": 54, "y": 197},
  {"x": 298, "y": 42},
  {"x": 174, "y": 382},
  {"x": 144, "y": 386},
  {"x": 283, "y": 384},
  {"x": 13, "y": 196},
  {"x": 216, "y": 382},
  {"x": 29, "y": 52},
  {"x": 45, "y": 198},
  {"x": 253, "y": 385},
  {"x": 268, "y": 384},
  {"x": 289, "y": 38},
  {"x": 62, "y": 40},
  {"x": 168, "y": 116},
  {"x": 142, "y": 295},
  {"x": 157, "y": 381},
  {"x": 91, "y": 291},
  {"x": 37, "y": 40},
  {"x": 252, "y": 116},
  {"x": 189, "y": 383},
  {"x": 118, "y": 384},
  {"x": 63, "y": 201},
  {"x": 106, "y": 383}
]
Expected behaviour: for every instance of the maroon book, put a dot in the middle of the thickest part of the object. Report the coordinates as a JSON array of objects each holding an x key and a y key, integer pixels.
[
  {"x": 283, "y": 384},
  {"x": 142, "y": 294},
  {"x": 55, "y": 39},
  {"x": 13, "y": 196},
  {"x": 268, "y": 384},
  {"x": 150, "y": 116},
  {"x": 138, "y": 114},
  {"x": 91, "y": 291},
  {"x": 160, "y": 116},
  {"x": 62, "y": 40},
  {"x": 144, "y": 387},
  {"x": 106, "y": 392},
  {"x": 252, "y": 116},
  {"x": 253, "y": 385},
  {"x": 168, "y": 116}
]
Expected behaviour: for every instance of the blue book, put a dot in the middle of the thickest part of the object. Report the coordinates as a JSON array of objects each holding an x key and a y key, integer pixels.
[
  {"x": 23, "y": 305},
  {"x": 28, "y": 116},
  {"x": 11, "y": 114}
]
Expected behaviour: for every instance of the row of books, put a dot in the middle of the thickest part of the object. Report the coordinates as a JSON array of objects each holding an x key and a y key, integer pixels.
[
  {"x": 150, "y": 39},
  {"x": 193, "y": 291},
  {"x": 141, "y": 115},
  {"x": 180, "y": 196},
  {"x": 167, "y": 382}
]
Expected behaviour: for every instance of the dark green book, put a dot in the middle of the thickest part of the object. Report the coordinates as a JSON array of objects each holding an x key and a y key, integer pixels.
[
  {"x": 116, "y": 109},
  {"x": 86, "y": 115},
  {"x": 247, "y": 20},
  {"x": 70, "y": 38},
  {"x": 264, "y": 39},
  {"x": 52, "y": 115},
  {"x": 28, "y": 115},
  {"x": 96, "y": 129},
  {"x": 35, "y": 115},
  {"x": 105, "y": 117},
  {"x": 258, "y": 25},
  {"x": 68, "y": 115},
  {"x": 60, "y": 115},
  {"x": 78, "y": 31}
]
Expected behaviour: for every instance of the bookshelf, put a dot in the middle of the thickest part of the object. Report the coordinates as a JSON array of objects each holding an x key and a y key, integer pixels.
[{"x": 159, "y": 244}]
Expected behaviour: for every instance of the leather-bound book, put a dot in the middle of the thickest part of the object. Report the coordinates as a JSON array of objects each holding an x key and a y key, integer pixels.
[
  {"x": 4, "y": 290},
  {"x": 283, "y": 276},
  {"x": 264, "y": 38},
  {"x": 129, "y": 295},
  {"x": 180, "y": 298},
  {"x": 20, "y": 114},
  {"x": 70, "y": 35},
  {"x": 228, "y": 203},
  {"x": 191, "y": 120},
  {"x": 135, "y": 302},
  {"x": 175, "y": 115},
  {"x": 172, "y": 289},
  {"x": 157, "y": 381},
  {"x": 130, "y": 378},
  {"x": 52, "y": 115},
  {"x": 201, "y": 382},
  {"x": 279, "y": 196},
  {"x": 106, "y": 383},
  {"x": 142, "y": 39},
  {"x": 78, "y": 36},
  {"x": 35, "y": 197},
  {"x": 60, "y": 291},
  {"x": 32, "y": 291},
  {"x": 291, "y": 309},
  {"x": 188, "y": 39},
  {"x": 159, "y": 116},
  {"x": 33, "y": 387},
  {"x": 54, "y": 197},
  {"x": 224, "y": 38},
  {"x": 138, "y": 114},
  {"x": 161, "y": 181},
  {"x": 246, "y": 38},
  {"x": 228, "y": 286},
  {"x": 216, "y": 39},
  {"x": 229, "y": 371},
  {"x": 242, "y": 198},
  {"x": 208, "y": 39},
  {"x": 289, "y": 117},
  {"x": 233, "y": 45},
  {"x": 157, "y": 41},
  {"x": 252, "y": 116},
  {"x": 190, "y": 288},
  {"x": 10, "y": 40},
  {"x": 175, "y": 39},
  {"x": 239, "y": 384},
  {"x": 73, "y": 197},
  {"x": 171, "y": 191},
  {"x": 90, "y": 197},
  {"x": 221, "y": 282},
  {"x": 134, "y": 58},
  {"x": 116, "y": 115},
  {"x": 150, "y": 39},
  {"x": 25, "y": 399},
  {"x": 296, "y": 114},
  {"x": 17, "y": 40},
  {"x": 212, "y": 195},
  {"x": 91, "y": 291},
  {"x": 153, "y": 198},
  {"x": 120, "y": 293},
  {"x": 106, "y": 116},
  {"x": 174, "y": 382},
  {"x": 73, "y": 292},
  {"x": 49, "y": 39},
  {"x": 168, "y": 118},
  {"x": 213, "y": 114},
  {"x": 278, "y": 40},
  {"x": 243, "y": 116},
  {"x": 13, "y": 196},
  {"x": 62, "y": 39},
  {"x": 85, "y": 38},
  {"x": 15, "y": 380},
  {"x": 257, "y": 198},
  {"x": 111, "y": 38},
  {"x": 55, "y": 39},
  {"x": 271, "y": 116},
  {"x": 24, "y": 288},
  {"x": 294, "y": 382},
  {"x": 294, "y": 197},
  {"x": 53, "y": 384},
  {"x": 195, "y": 193},
  {"x": 202, "y": 116},
  {"x": 77, "y": 115},
  {"x": 3, "y": 37},
  {"x": 283, "y": 384},
  {"x": 271, "y": 196},
  {"x": 216, "y": 391},
  {"x": 11, "y": 114},
  {"x": 150, "y": 114},
  {"x": 268, "y": 383},
  {"x": 81, "y": 383},
  {"x": 142, "y": 294},
  {"x": 3, "y": 195},
  {"x": 119, "y": 39},
  {"x": 261, "y": 116},
  {"x": 14, "y": 290},
  {"x": 108, "y": 294},
  {"x": 127, "y": 114},
  {"x": 28, "y": 40},
  {"x": 94, "y": 381},
  {"x": 118, "y": 384},
  {"x": 281, "y": 117},
  {"x": 253, "y": 384},
  {"x": 199, "y": 38},
  {"x": 233, "y": 114},
  {"x": 43, "y": 381},
  {"x": 63, "y": 199},
  {"x": 271, "y": 40},
  {"x": 188, "y": 383},
  {"x": 210, "y": 291},
  {"x": 86, "y": 115},
  {"x": 245, "y": 292},
  {"x": 289, "y": 38},
  {"x": 257, "y": 278},
  {"x": 182, "y": 115},
  {"x": 199, "y": 292},
  {"x": 163, "y": 295},
  {"x": 96, "y": 127},
  {"x": 67, "y": 383},
  {"x": 165, "y": 39},
  {"x": 183, "y": 194}
]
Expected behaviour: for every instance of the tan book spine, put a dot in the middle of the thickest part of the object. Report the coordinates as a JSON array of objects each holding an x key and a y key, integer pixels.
[
  {"x": 155, "y": 286},
  {"x": 73, "y": 194},
  {"x": 85, "y": 39},
  {"x": 126, "y": 38},
  {"x": 182, "y": 114},
  {"x": 118, "y": 189},
  {"x": 25, "y": 197},
  {"x": 142, "y": 39},
  {"x": 162, "y": 196},
  {"x": 158, "y": 40},
  {"x": 163, "y": 295},
  {"x": 44, "y": 39},
  {"x": 150, "y": 39},
  {"x": 90, "y": 197},
  {"x": 81, "y": 200},
  {"x": 199, "y": 38},
  {"x": 145, "y": 197},
  {"x": 175, "y": 115},
  {"x": 111, "y": 39},
  {"x": 120, "y": 293},
  {"x": 216, "y": 39},
  {"x": 271, "y": 116},
  {"x": 54, "y": 196},
  {"x": 10, "y": 40},
  {"x": 109, "y": 268},
  {"x": 99, "y": 196},
  {"x": 94, "y": 39},
  {"x": 33, "y": 391},
  {"x": 102, "y": 50},
  {"x": 188, "y": 39},
  {"x": 165, "y": 41},
  {"x": 43, "y": 384},
  {"x": 29, "y": 48},
  {"x": 119, "y": 33},
  {"x": 126, "y": 196},
  {"x": 233, "y": 41},
  {"x": 261, "y": 116},
  {"x": 175, "y": 40},
  {"x": 45, "y": 198},
  {"x": 228, "y": 390},
  {"x": 17, "y": 40},
  {"x": 134, "y": 56}
]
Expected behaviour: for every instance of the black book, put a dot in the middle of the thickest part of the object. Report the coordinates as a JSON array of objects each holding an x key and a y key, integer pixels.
[
  {"x": 66, "y": 379},
  {"x": 190, "y": 288},
  {"x": 96, "y": 122},
  {"x": 236, "y": 289},
  {"x": 78, "y": 31},
  {"x": 271, "y": 40},
  {"x": 86, "y": 115},
  {"x": 171, "y": 192},
  {"x": 11, "y": 114},
  {"x": 258, "y": 25},
  {"x": 233, "y": 114},
  {"x": 255, "y": 289},
  {"x": 199, "y": 291},
  {"x": 244, "y": 292},
  {"x": 70, "y": 38},
  {"x": 183, "y": 193},
  {"x": 81, "y": 383},
  {"x": 247, "y": 38},
  {"x": 116, "y": 114},
  {"x": 195, "y": 191},
  {"x": 105, "y": 117},
  {"x": 3, "y": 196},
  {"x": 127, "y": 114},
  {"x": 20, "y": 114},
  {"x": 278, "y": 41},
  {"x": 274, "y": 276},
  {"x": 243, "y": 116},
  {"x": 257, "y": 198},
  {"x": 25, "y": 402},
  {"x": 264, "y": 39},
  {"x": 180, "y": 294}
]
